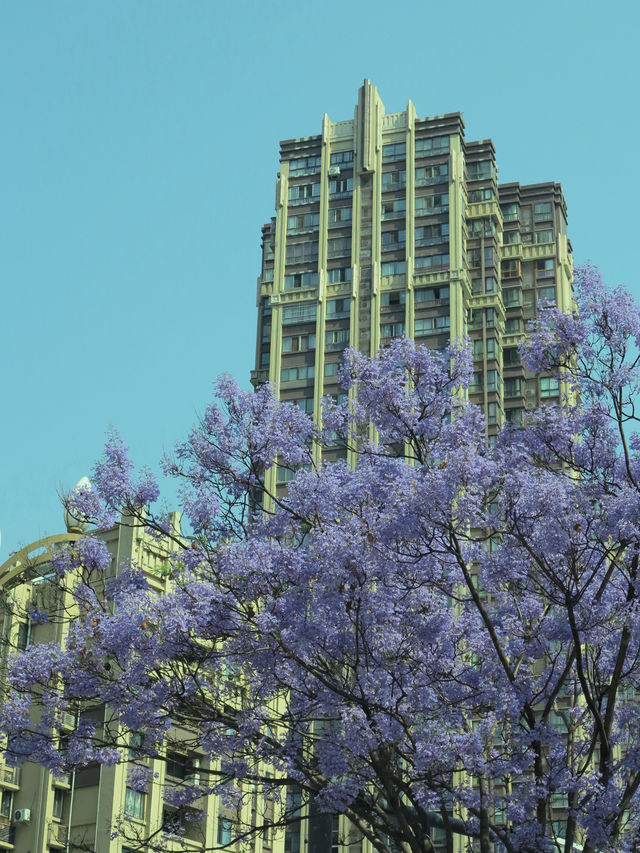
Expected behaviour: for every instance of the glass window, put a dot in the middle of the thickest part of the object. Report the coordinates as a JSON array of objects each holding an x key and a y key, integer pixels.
[
  {"x": 394, "y": 209},
  {"x": 58, "y": 803},
  {"x": 224, "y": 830},
  {"x": 431, "y": 294},
  {"x": 477, "y": 382},
  {"x": 393, "y": 180},
  {"x": 340, "y": 187},
  {"x": 340, "y": 216},
  {"x": 337, "y": 338},
  {"x": 431, "y": 261},
  {"x": 295, "y": 374},
  {"x": 393, "y": 297},
  {"x": 303, "y": 312},
  {"x": 342, "y": 158},
  {"x": 304, "y": 166},
  {"x": 478, "y": 349},
  {"x": 304, "y": 193},
  {"x": 484, "y": 194},
  {"x": 298, "y": 343},
  {"x": 510, "y": 356},
  {"x": 542, "y": 211},
  {"x": 428, "y": 325},
  {"x": 298, "y": 253},
  {"x": 24, "y": 636},
  {"x": 547, "y": 294},
  {"x": 434, "y": 145},
  {"x": 338, "y": 308},
  {"x": 545, "y": 236},
  {"x": 438, "y": 173},
  {"x": 331, "y": 368},
  {"x": 512, "y": 296},
  {"x": 509, "y": 212},
  {"x": 511, "y": 268},
  {"x": 479, "y": 170},
  {"x": 394, "y": 239},
  {"x": 510, "y": 237},
  {"x": 339, "y": 274},
  {"x": 491, "y": 348},
  {"x": 545, "y": 269},
  {"x": 297, "y": 280},
  {"x": 492, "y": 380},
  {"x": 302, "y": 222},
  {"x": 395, "y": 151},
  {"x": 492, "y": 413},
  {"x": 512, "y": 387},
  {"x": 432, "y": 204},
  {"x": 393, "y": 268},
  {"x": 134, "y": 803},
  {"x": 513, "y": 325},
  {"x": 432, "y": 235},
  {"x": 392, "y": 330},
  {"x": 549, "y": 386},
  {"x": 339, "y": 247},
  {"x": 6, "y": 804}
]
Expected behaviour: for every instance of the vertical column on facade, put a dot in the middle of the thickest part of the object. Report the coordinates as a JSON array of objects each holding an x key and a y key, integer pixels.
[
  {"x": 410, "y": 220},
  {"x": 457, "y": 300}
]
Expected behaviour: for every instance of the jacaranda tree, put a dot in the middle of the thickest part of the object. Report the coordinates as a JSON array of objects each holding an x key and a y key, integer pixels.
[{"x": 446, "y": 633}]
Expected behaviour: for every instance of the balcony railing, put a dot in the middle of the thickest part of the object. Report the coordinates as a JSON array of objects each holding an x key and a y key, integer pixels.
[
  {"x": 57, "y": 834},
  {"x": 7, "y": 834}
]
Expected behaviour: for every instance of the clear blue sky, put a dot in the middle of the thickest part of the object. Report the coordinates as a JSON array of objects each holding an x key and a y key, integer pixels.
[{"x": 138, "y": 153}]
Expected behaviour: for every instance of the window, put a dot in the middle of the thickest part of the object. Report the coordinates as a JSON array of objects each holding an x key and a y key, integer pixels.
[
  {"x": 393, "y": 297},
  {"x": 481, "y": 170},
  {"x": 432, "y": 235},
  {"x": 512, "y": 387},
  {"x": 393, "y": 180},
  {"x": 338, "y": 308},
  {"x": 58, "y": 803},
  {"x": 339, "y": 274},
  {"x": 224, "y": 830},
  {"x": 340, "y": 187},
  {"x": 512, "y": 296},
  {"x": 490, "y": 285},
  {"x": 511, "y": 269},
  {"x": 298, "y": 253},
  {"x": 304, "y": 166},
  {"x": 176, "y": 765},
  {"x": 509, "y": 212},
  {"x": 510, "y": 237},
  {"x": 513, "y": 325},
  {"x": 134, "y": 803},
  {"x": 392, "y": 330},
  {"x": 544, "y": 269},
  {"x": 298, "y": 280},
  {"x": 492, "y": 413},
  {"x": 136, "y": 740},
  {"x": 542, "y": 211},
  {"x": 514, "y": 416},
  {"x": 337, "y": 338},
  {"x": 510, "y": 356},
  {"x": 426, "y": 204},
  {"x": 490, "y": 317},
  {"x": 342, "y": 158},
  {"x": 6, "y": 804},
  {"x": 478, "y": 349},
  {"x": 431, "y": 294},
  {"x": 430, "y": 325},
  {"x": 267, "y": 275},
  {"x": 491, "y": 348},
  {"x": 331, "y": 368},
  {"x": 24, "y": 636},
  {"x": 284, "y": 475},
  {"x": 492, "y": 380},
  {"x": 393, "y": 240},
  {"x": 303, "y": 312},
  {"x": 438, "y": 173},
  {"x": 432, "y": 261},
  {"x": 302, "y": 222},
  {"x": 298, "y": 343},
  {"x": 395, "y": 151},
  {"x": 304, "y": 193},
  {"x": 293, "y": 374},
  {"x": 340, "y": 216},
  {"x": 395, "y": 209},
  {"x": 549, "y": 386},
  {"x": 304, "y": 403},
  {"x": 545, "y": 236},
  {"x": 339, "y": 247},
  {"x": 474, "y": 256},
  {"x": 393, "y": 268},
  {"x": 485, "y": 226},
  {"x": 478, "y": 195},
  {"x": 435, "y": 145},
  {"x": 547, "y": 294},
  {"x": 477, "y": 382}
]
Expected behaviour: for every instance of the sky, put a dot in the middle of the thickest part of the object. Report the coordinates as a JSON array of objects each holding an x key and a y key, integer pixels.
[{"x": 138, "y": 156}]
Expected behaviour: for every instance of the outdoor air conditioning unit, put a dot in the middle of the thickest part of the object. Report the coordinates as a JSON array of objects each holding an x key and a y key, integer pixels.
[
  {"x": 334, "y": 171},
  {"x": 22, "y": 816}
]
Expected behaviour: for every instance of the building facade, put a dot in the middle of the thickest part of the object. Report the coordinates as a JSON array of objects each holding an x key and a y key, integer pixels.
[{"x": 389, "y": 225}]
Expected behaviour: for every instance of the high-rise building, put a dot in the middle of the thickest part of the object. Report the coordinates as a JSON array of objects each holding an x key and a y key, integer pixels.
[{"x": 389, "y": 225}]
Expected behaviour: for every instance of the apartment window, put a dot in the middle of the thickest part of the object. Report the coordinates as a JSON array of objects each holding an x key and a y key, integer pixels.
[
  {"x": 549, "y": 386},
  {"x": 136, "y": 740},
  {"x": 435, "y": 145},
  {"x": 267, "y": 275},
  {"x": 342, "y": 158},
  {"x": 340, "y": 187},
  {"x": 511, "y": 268},
  {"x": 6, "y": 804},
  {"x": 299, "y": 253},
  {"x": 427, "y": 204},
  {"x": 431, "y": 294},
  {"x": 338, "y": 308},
  {"x": 304, "y": 403},
  {"x": 337, "y": 338},
  {"x": 481, "y": 170},
  {"x": 224, "y": 830},
  {"x": 134, "y": 803},
  {"x": 490, "y": 317},
  {"x": 545, "y": 236},
  {"x": 514, "y": 416},
  {"x": 331, "y": 368},
  {"x": 393, "y": 297},
  {"x": 547, "y": 294},
  {"x": 492, "y": 413},
  {"x": 395, "y": 209},
  {"x": 490, "y": 285},
  {"x": 264, "y": 359},
  {"x": 393, "y": 240},
  {"x": 489, "y": 256},
  {"x": 340, "y": 216},
  {"x": 513, "y": 325},
  {"x": 58, "y": 803},
  {"x": 394, "y": 180},
  {"x": 477, "y": 382},
  {"x": 430, "y": 325},
  {"x": 492, "y": 380},
  {"x": 478, "y": 349},
  {"x": 545, "y": 269},
  {"x": 303, "y": 222},
  {"x": 438, "y": 173},
  {"x": 431, "y": 261},
  {"x": 432, "y": 235},
  {"x": 298, "y": 280},
  {"x": 510, "y": 356},
  {"x": 296, "y": 374},
  {"x": 393, "y": 268},
  {"x": 339, "y": 247},
  {"x": 24, "y": 636},
  {"x": 392, "y": 330},
  {"x": 512, "y": 387},
  {"x": 284, "y": 475},
  {"x": 509, "y": 212},
  {"x": 304, "y": 193},
  {"x": 298, "y": 343},
  {"x": 510, "y": 237},
  {"x": 512, "y": 296},
  {"x": 304, "y": 166},
  {"x": 395, "y": 151},
  {"x": 478, "y": 227},
  {"x": 483, "y": 194},
  {"x": 542, "y": 211},
  {"x": 338, "y": 274},
  {"x": 303, "y": 312},
  {"x": 491, "y": 348}
]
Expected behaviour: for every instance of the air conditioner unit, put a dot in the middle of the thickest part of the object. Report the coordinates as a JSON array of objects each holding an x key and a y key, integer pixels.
[
  {"x": 22, "y": 816},
  {"x": 334, "y": 171}
]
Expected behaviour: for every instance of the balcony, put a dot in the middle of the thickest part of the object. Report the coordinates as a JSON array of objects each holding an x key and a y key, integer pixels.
[
  {"x": 9, "y": 776},
  {"x": 57, "y": 834},
  {"x": 7, "y": 835}
]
